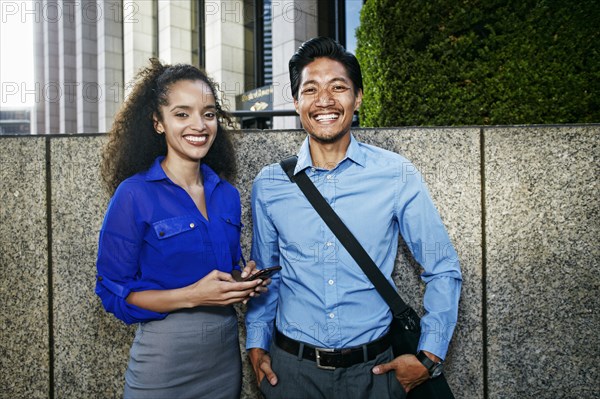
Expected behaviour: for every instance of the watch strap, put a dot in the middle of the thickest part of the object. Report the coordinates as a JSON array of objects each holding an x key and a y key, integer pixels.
[{"x": 426, "y": 361}]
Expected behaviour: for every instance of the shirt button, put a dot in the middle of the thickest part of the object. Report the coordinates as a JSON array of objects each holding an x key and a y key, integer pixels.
[
  {"x": 162, "y": 233},
  {"x": 313, "y": 170},
  {"x": 192, "y": 225},
  {"x": 330, "y": 282},
  {"x": 331, "y": 315},
  {"x": 329, "y": 177},
  {"x": 329, "y": 244},
  {"x": 100, "y": 278}
]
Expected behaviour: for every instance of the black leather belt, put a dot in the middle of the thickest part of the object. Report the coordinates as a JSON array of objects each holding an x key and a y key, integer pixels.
[{"x": 330, "y": 359}]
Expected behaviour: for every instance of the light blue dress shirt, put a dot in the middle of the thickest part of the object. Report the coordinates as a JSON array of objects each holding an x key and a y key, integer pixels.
[
  {"x": 155, "y": 238},
  {"x": 321, "y": 296}
]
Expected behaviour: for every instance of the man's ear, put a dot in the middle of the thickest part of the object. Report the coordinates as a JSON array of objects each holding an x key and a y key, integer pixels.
[
  {"x": 157, "y": 125},
  {"x": 358, "y": 100},
  {"x": 296, "y": 106}
]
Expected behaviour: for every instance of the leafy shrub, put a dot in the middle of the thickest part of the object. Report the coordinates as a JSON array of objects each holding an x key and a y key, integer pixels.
[{"x": 471, "y": 62}]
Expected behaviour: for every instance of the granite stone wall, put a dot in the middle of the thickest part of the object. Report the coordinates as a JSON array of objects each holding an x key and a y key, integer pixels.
[
  {"x": 520, "y": 203},
  {"x": 542, "y": 263},
  {"x": 25, "y": 358}
]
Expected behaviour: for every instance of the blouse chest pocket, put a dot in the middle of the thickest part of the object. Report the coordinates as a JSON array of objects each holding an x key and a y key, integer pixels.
[
  {"x": 177, "y": 245},
  {"x": 232, "y": 225},
  {"x": 233, "y": 221},
  {"x": 172, "y": 227}
]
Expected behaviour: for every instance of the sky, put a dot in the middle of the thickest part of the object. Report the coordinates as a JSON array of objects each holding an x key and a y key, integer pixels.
[{"x": 16, "y": 54}]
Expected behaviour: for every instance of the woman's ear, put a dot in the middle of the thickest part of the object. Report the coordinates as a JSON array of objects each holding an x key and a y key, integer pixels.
[{"x": 157, "y": 124}]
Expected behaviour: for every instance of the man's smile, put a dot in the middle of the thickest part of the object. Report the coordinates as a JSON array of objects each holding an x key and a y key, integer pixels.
[{"x": 326, "y": 117}]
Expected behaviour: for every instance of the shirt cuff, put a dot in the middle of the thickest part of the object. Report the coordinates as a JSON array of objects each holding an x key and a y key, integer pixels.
[
  {"x": 259, "y": 335},
  {"x": 117, "y": 289},
  {"x": 432, "y": 344}
]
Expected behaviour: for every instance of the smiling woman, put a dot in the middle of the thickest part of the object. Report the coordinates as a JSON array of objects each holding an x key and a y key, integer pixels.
[
  {"x": 136, "y": 129},
  {"x": 169, "y": 250},
  {"x": 189, "y": 122}
]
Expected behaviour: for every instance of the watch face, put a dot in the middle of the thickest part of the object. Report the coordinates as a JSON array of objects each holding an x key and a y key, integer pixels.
[{"x": 438, "y": 369}]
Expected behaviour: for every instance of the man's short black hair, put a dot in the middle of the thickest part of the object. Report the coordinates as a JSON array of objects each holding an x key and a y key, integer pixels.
[{"x": 323, "y": 47}]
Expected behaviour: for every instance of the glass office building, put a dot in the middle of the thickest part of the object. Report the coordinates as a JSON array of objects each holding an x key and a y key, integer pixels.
[{"x": 86, "y": 52}]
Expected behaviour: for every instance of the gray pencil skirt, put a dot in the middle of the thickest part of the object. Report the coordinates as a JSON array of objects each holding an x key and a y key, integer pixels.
[{"x": 190, "y": 354}]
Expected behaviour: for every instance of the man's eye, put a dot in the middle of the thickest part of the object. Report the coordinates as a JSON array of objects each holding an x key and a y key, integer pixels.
[
  {"x": 339, "y": 88},
  {"x": 311, "y": 90}
]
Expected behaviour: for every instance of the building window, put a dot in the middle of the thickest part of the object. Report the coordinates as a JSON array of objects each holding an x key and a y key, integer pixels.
[
  {"x": 339, "y": 19},
  {"x": 198, "y": 49},
  {"x": 258, "y": 68},
  {"x": 352, "y": 16},
  {"x": 16, "y": 121},
  {"x": 155, "y": 28},
  {"x": 265, "y": 55},
  {"x": 259, "y": 43}
]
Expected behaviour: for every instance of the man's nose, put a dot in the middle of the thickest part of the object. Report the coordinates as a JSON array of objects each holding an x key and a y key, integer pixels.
[{"x": 324, "y": 98}]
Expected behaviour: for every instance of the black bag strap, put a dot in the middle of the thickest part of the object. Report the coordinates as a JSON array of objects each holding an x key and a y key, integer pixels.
[{"x": 347, "y": 239}]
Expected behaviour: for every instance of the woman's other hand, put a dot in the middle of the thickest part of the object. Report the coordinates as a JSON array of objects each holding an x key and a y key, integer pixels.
[{"x": 221, "y": 289}]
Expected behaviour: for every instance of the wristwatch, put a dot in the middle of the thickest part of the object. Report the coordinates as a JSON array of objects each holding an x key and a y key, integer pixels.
[{"x": 435, "y": 368}]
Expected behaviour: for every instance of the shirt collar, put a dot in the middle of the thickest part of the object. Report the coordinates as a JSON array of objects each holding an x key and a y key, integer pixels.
[
  {"x": 210, "y": 178},
  {"x": 353, "y": 153},
  {"x": 156, "y": 173}
]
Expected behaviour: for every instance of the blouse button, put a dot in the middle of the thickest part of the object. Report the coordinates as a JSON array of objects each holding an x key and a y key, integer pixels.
[
  {"x": 99, "y": 278},
  {"x": 162, "y": 233},
  {"x": 192, "y": 225}
]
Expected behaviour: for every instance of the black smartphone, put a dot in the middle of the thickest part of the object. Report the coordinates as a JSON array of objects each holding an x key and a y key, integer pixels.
[{"x": 264, "y": 273}]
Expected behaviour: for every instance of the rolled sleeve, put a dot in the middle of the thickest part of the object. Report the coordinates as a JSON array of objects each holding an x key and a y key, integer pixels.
[
  {"x": 118, "y": 259},
  {"x": 113, "y": 298}
]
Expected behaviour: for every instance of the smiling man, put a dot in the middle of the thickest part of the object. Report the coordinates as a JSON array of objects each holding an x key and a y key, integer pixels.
[{"x": 322, "y": 329}]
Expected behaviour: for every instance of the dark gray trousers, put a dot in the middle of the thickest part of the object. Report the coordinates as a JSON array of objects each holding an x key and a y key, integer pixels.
[{"x": 302, "y": 379}]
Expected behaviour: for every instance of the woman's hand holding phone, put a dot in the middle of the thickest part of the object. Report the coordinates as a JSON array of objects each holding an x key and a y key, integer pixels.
[
  {"x": 249, "y": 273},
  {"x": 264, "y": 273}
]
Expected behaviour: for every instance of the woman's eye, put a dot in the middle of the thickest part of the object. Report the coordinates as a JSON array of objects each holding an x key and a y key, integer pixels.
[
  {"x": 181, "y": 114},
  {"x": 209, "y": 115}
]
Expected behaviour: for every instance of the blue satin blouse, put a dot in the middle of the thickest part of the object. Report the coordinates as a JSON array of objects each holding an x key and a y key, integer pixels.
[{"x": 155, "y": 238}]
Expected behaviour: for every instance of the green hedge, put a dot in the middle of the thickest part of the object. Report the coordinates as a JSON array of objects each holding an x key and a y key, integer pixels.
[{"x": 486, "y": 62}]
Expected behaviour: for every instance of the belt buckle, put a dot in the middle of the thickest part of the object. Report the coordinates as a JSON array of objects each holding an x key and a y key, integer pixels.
[{"x": 318, "y": 354}]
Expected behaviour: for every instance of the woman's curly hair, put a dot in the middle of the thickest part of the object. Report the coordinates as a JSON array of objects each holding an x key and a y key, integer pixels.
[{"x": 133, "y": 144}]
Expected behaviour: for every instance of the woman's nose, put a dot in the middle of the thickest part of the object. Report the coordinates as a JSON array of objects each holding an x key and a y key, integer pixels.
[{"x": 198, "y": 123}]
